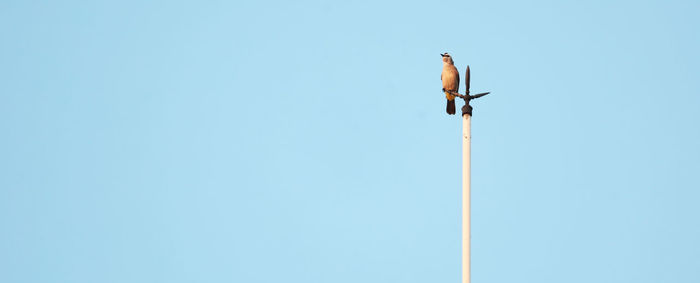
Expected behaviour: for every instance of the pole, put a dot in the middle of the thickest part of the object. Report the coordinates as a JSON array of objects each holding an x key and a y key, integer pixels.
[
  {"x": 466, "y": 197},
  {"x": 466, "y": 178}
]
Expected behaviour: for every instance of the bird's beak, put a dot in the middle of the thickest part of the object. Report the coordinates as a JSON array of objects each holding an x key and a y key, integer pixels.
[{"x": 443, "y": 55}]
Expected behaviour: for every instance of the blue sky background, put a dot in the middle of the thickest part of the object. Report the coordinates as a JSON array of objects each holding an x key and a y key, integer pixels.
[{"x": 306, "y": 141}]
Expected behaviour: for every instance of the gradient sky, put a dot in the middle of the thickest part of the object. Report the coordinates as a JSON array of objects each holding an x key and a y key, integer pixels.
[{"x": 306, "y": 141}]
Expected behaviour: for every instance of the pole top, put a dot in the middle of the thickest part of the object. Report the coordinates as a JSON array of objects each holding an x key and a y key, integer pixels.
[{"x": 467, "y": 109}]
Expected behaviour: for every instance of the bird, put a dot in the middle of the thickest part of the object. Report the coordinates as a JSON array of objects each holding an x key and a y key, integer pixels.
[{"x": 450, "y": 81}]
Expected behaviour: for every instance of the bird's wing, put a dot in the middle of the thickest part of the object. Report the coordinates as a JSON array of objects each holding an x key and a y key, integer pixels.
[{"x": 457, "y": 89}]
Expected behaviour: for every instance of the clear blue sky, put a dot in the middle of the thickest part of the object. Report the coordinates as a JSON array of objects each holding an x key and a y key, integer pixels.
[{"x": 307, "y": 141}]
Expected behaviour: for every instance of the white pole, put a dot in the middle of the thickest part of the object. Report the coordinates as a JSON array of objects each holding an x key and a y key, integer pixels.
[{"x": 466, "y": 197}]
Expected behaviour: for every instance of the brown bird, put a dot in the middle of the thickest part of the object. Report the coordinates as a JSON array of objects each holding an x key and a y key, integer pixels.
[{"x": 450, "y": 81}]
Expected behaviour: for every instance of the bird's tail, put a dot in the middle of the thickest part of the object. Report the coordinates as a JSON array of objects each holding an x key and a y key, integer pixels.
[{"x": 451, "y": 107}]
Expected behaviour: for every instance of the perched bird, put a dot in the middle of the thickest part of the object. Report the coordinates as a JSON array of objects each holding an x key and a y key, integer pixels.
[{"x": 450, "y": 81}]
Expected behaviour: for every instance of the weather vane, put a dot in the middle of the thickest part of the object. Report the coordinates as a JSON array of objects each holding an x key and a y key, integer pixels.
[{"x": 450, "y": 85}]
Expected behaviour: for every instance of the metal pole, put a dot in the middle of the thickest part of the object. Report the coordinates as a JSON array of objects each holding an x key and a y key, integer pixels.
[
  {"x": 466, "y": 197},
  {"x": 466, "y": 178}
]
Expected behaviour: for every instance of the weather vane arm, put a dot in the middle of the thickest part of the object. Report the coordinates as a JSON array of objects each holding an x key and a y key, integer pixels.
[
  {"x": 478, "y": 95},
  {"x": 462, "y": 96}
]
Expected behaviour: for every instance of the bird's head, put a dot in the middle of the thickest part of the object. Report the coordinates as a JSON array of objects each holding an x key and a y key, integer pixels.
[{"x": 446, "y": 58}]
